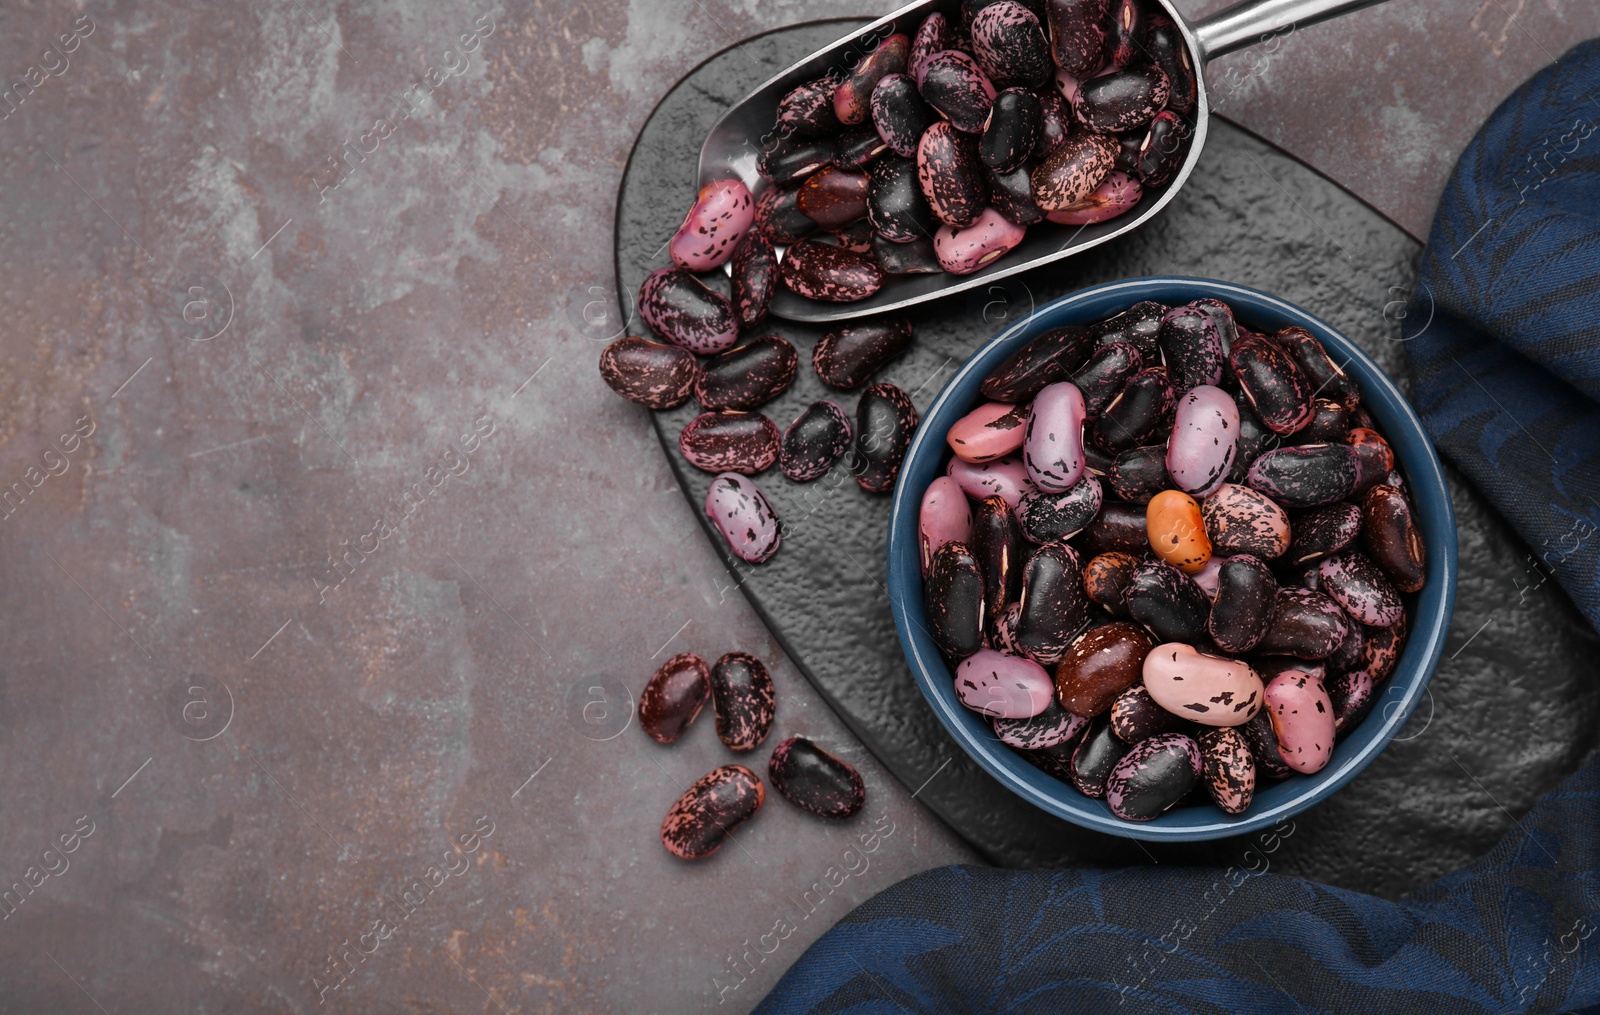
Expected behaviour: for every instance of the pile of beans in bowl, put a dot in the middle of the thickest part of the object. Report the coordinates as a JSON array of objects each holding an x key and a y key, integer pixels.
[{"x": 1169, "y": 557}]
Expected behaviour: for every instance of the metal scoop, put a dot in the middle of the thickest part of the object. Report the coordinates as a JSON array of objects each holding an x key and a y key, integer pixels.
[{"x": 735, "y": 142}]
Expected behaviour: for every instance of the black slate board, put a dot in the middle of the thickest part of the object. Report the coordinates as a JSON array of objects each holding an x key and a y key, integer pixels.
[{"x": 1513, "y": 706}]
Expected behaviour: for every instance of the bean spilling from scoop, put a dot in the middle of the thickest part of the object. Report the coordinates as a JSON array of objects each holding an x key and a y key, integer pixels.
[{"x": 1167, "y": 560}]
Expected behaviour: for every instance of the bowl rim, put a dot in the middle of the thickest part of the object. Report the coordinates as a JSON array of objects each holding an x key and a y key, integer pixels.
[{"x": 1430, "y": 493}]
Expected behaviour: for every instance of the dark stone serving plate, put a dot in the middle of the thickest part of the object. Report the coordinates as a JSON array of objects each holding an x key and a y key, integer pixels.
[{"x": 1513, "y": 707}]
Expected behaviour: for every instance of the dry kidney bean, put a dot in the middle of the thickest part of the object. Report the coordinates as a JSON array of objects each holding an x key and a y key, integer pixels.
[
  {"x": 955, "y": 600},
  {"x": 1011, "y": 194},
  {"x": 833, "y": 198},
  {"x": 1099, "y": 666},
  {"x": 1106, "y": 578},
  {"x": 1105, "y": 374},
  {"x": 1323, "y": 530},
  {"x": 817, "y": 439},
  {"x": 998, "y": 543},
  {"x": 990, "y": 431},
  {"x": 832, "y": 274},
  {"x": 730, "y": 442},
  {"x": 1139, "y": 474},
  {"x": 1228, "y": 769},
  {"x": 754, "y": 275},
  {"x": 1204, "y": 441},
  {"x": 702, "y": 819},
  {"x": 1071, "y": 172},
  {"x": 1049, "y": 358},
  {"x": 745, "y": 700},
  {"x": 1207, "y": 689},
  {"x": 851, "y": 100},
  {"x": 816, "y": 781},
  {"x": 954, "y": 84},
  {"x": 1302, "y": 717},
  {"x": 1351, "y": 694},
  {"x": 1304, "y": 623},
  {"x": 895, "y": 205},
  {"x": 934, "y": 35},
  {"x": 945, "y": 517},
  {"x": 678, "y": 307},
  {"x": 848, "y": 357},
  {"x": 885, "y": 421},
  {"x": 1010, "y": 45},
  {"x": 1392, "y": 538},
  {"x": 1012, "y": 130},
  {"x": 966, "y": 250},
  {"x": 1053, "y": 607},
  {"x": 1168, "y": 602},
  {"x": 1242, "y": 609},
  {"x": 1272, "y": 382},
  {"x": 721, "y": 215},
  {"x": 1308, "y": 476},
  {"x": 1191, "y": 347},
  {"x": 899, "y": 114},
  {"x": 1051, "y": 728},
  {"x": 1077, "y": 35},
  {"x": 654, "y": 374},
  {"x": 858, "y": 148},
  {"x": 748, "y": 375},
  {"x": 1008, "y": 687},
  {"x": 1241, "y": 520},
  {"x": 1176, "y": 532},
  {"x": 778, "y": 216},
  {"x": 1166, "y": 47},
  {"x": 1325, "y": 376},
  {"x": 1048, "y": 516},
  {"x": 791, "y": 159},
  {"x": 674, "y": 697},
  {"x": 1125, "y": 32},
  {"x": 808, "y": 108},
  {"x": 914, "y": 258},
  {"x": 951, "y": 175},
  {"x": 1094, "y": 759},
  {"x": 1118, "y": 526},
  {"x": 741, "y": 512},
  {"x": 1157, "y": 773},
  {"x": 1122, "y": 100}
]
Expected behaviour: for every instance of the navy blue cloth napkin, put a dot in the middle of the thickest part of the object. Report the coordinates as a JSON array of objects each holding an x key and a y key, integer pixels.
[{"x": 1504, "y": 338}]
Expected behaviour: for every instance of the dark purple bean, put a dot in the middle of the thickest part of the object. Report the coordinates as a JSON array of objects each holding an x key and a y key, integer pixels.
[
  {"x": 855, "y": 237},
  {"x": 1360, "y": 587},
  {"x": 1096, "y": 756},
  {"x": 895, "y": 205},
  {"x": 1352, "y": 694},
  {"x": 1390, "y": 534},
  {"x": 1349, "y": 655},
  {"x": 934, "y": 35},
  {"x": 915, "y": 258},
  {"x": 997, "y": 542},
  {"x": 1374, "y": 457},
  {"x": 702, "y": 819},
  {"x": 1326, "y": 377},
  {"x": 1072, "y": 172},
  {"x": 1125, "y": 33},
  {"x": 1308, "y": 476},
  {"x": 1118, "y": 527},
  {"x": 1163, "y": 149},
  {"x": 1010, "y": 45},
  {"x": 951, "y": 176},
  {"x": 1191, "y": 347},
  {"x": 817, "y": 439},
  {"x": 790, "y": 159},
  {"x": 859, "y": 147},
  {"x": 1077, "y": 35},
  {"x": 1123, "y": 100},
  {"x": 745, "y": 700},
  {"x": 885, "y": 423},
  {"x": 1305, "y": 624},
  {"x": 808, "y": 109},
  {"x": 816, "y": 781},
  {"x": 1140, "y": 473},
  {"x": 1330, "y": 423},
  {"x": 1263, "y": 742},
  {"x": 1381, "y": 648},
  {"x": 832, "y": 274},
  {"x": 1228, "y": 769},
  {"x": 1047, "y": 358},
  {"x": 1143, "y": 405},
  {"x": 852, "y": 99},
  {"x": 954, "y": 599},
  {"x": 1242, "y": 611},
  {"x": 1168, "y": 602},
  {"x": 673, "y": 698},
  {"x": 1012, "y": 130},
  {"x": 1135, "y": 716},
  {"x": 755, "y": 275},
  {"x": 1054, "y": 727},
  {"x": 848, "y": 357},
  {"x": 1222, "y": 314},
  {"x": 954, "y": 84},
  {"x": 1106, "y": 579},
  {"x": 654, "y": 374},
  {"x": 1137, "y": 326},
  {"x": 1103, "y": 376},
  {"x": 678, "y": 307},
  {"x": 1323, "y": 530},
  {"x": 899, "y": 115},
  {"x": 1272, "y": 383},
  {"x": 743, "y": 442},
  {"x": 1054, "y": 608},
  {"x": 833, "y": 198},
  {"x": 1011, "y": 194},
  {"x": 1165, "y": 44},
  {"x": 1154, "y": 775},
  {"x": 1055, "y": 123},
  {"x": 1050, "y": 516},
  {"x": 747, "y": 375},
  {"x": 778, "y": 216}
]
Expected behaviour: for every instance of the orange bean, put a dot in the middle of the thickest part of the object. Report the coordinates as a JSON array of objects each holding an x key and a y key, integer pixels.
[{"x": 1176, "y": 532}]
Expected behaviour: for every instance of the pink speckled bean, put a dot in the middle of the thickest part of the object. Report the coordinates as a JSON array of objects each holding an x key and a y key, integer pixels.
[
  {"x": 721, "y": 214},
  {"x": 1204, "y": 441},
  {"x": 1006, "y": 478},
  {"x": 964, "y": 251},
  {"x": 946, "y": 517},
  {"x": 1052, "y": 447},
  {"x": 1005, "y": 686},
  {"x": 1302, "y": 717},
  {"x": 990, "y": 431},
  {"x": 741, "y": 513},
  {"x": 1117, "y": 195},
  {"x": 1210, "y": 690}
]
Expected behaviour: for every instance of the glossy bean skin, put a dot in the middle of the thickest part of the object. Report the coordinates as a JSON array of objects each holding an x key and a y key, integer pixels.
[
  {"x": 1191, "y": 346},
  {"x": 1077, "y": 35},
  {"x": 1052, "y": 448},
  {"x": 1053, "y": 727},
  {"x": 851, "y": 100},
  {"x": 1106, "y": 578},
  {"x": 1119, "y": 526},
  {"x": 1272, "y": 383},
  {"x": 815, "y": 781},
  {"x": 678, "y": 307},
  {"x": 1138, "y": 326},
  {"x": 1135, "y": 716},
  {"x": 1330, "y": 423},
  {"x": 1004, "y": 477},
  {"x": 1307, "y": 476},
  {"x": 1392, "y": 537},
  {"x": 1207, "y": 689},
  {"x": 1138, "y": 411},
  {"x": 1321, "y": 372},
  {"x": 1138, "y": 474},
  {"x": 1374, "y": 457},
  {"x": 998, "y": 544},
  {"x": 1166, "y": 47},
  {"x": 1125, "y": 33},
  {"x": 934, "y": 35},
  {"x": 740, "y": 512},
  {"x": 1352, "y": 694},
  {"x": 1360, "y": 587},
  {"x": 1011, "y": 194},
  {"x": 1095, "y": 757},
  {"x": 1099, "y": 666},
  {"x": 1305, "y": 624},
  {"x": 971, "y": 248},
  {"x": 950, "y": 174},
  {"x": 1105, "y": 373},
  {"x": 702, "y": 819},
  {"x": 1204, "y": 441},
  {"x": 1168, "y": 602},
  {"x": 1002, "y": 686},
  {"x": 1122, "y": 100},
  {"x": 1207, "y": 576},
  {"x": 1262, "y": 740},
  {"x": 944, "y": 517},
  {"x": 954, "y": 84},
  {"x": 1012, "y": 130},
  {"x": 833, "y": 197},
  {"x": 1010, "y": 45},
  {"x": 1163, "y": 149},
  {"x": 808, "y": 108},
  {"x": 741, "y": 442},
  {"x": 1241, "y": 613},
  {"x": 1255, "y": 440},
  {"x": 1072, "y": 171},
  {"x": 1049, "y": 516},
  {"x": 899, "y": 115},
  {"x": 754, "y": 276},
  {"x": 1053, "y": 606},
  {"x": 748, "y": 375},
  {"x": 831, "y": 274},
  {"x": 673, "y": 698},
  {"x": 787, "y": 160},
  {"x": 1302, "y": 718},
  {"x": 745, "y": 699},
  {"x": 814, "y": 442},
  {"x": 1323, "y": 530},
  {"x": 1044, "y": 360},
  {"x": 1222, "y": 315},
  {"x": 1157, "y": 773},
  {"x": 992, "y": 430},
  {"x": 895, "y": 205},
  {"x": 778, "y": 218},
  {"x": 1116, "y": 195},
  {"x": 847, "y": 357},
  {"x": 914, "y": 258},
  {"x": 654, "y": 374},
  {"x": 955, "y": 601},
  {"x": 721, "y": 214},
  {"x": 857, "y": 148},
  {"x": 885, "y": 423},
  {"x": 1055, "y": 123},
  {"x": 1381, "y": 648},
  {"x": 1228, "y": 769},
  {"x": 1350, "y": 653},
  {"x": 1241, "y": 520},
  {"x": 1177, "y": 534}
]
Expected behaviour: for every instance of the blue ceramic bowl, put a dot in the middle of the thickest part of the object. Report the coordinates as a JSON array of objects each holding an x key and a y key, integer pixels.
[{"x": 1274, "y": 802}]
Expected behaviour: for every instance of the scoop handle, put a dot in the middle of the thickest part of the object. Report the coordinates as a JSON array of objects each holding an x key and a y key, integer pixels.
[{"x": 1245, "y": 24}]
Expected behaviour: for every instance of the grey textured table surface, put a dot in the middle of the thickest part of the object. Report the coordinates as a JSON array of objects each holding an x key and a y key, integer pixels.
[{"x": 280, "y": 258}]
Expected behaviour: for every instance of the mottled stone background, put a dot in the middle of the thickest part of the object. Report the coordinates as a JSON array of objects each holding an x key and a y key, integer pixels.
[{"x": 269, "y": 754}]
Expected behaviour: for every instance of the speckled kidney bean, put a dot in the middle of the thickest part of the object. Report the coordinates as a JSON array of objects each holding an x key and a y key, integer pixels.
[
  {"x": 817, "y": 439},
  {"x": 1046, "y": 359},
  {"x": 1004, "y": 477},
  {"x": 808, "y": 108},
  {"x": 1308, "y": 476},
  {"x": 740, "y": 512},
  {"x": 1330, "y": 422},
  {"x": 1352, "y": 695},
  {"x": 1324, "y": 375},
  {"x": 954, "y": 84},
  {"x": 1072, "y": 172},
  {"x": 1011, "y": 194},
  {"x": 743, "y": 442},
  {"x": 1077, "y": 35},
  {"x": 1095, "y": 757},
  {"x": 1117, "y": 195},
  {"x": 1048, "y": 516},
  {"x": 1053, "y": 727},
  {"x": 1175, "y": 530},
  {"x": 1241, "y": 520},
  {"x": 1381, "y": 648},
  {"x": 914, "y": 258},
  {"x": 1263, "y": 743},
  {"x": 1154, "y": 775},
  {"x": 1138, "y": 411},
  {"x": 1122, "y": 100},
  {"x": 1222, "y": 315},
  {"x": 1012, "y": 129},
  {"x": 1392, "y": 538},
  {"x": 1052, "y": 448},
  {"x": 1360, "y": 587},
  {"x": 1125, "y": 32},
  {"x": 895, "y": 205},
  {"x": 789, "y": 159},
  {"x": 654, "y": 374},
  {"x": 1009, "y": 687},
  {"x": 1204, "y": 441},
  {"x": 899, "y": 115},
  {"x": 1010, "y": 45},
  {"x": 1255, "y": 440},
  {"x": 1106, "y": 578},
  {"x": 1271, "y": 381},
  {"x": 745, "y": 700},
  {"x": 950, "y": 175},
  {"x": 747, "y": 375},
  {"x": 1163, "y": 149},
  {"x": 1055, "y": 124},
  {"x": 1374, "y": 457},
  {"x": 1323, "y": 530},
  {"x": 885, "y": 423},
  {"x": 1302, "y": 718},
  {"x": 944, "y": 517},
  {"x": 1241, "y": 612},
  {"x": 1099, "y": 666},
  {"x": 1118, "y": 526},
  {"x": 954, "y": 599},
  {"x": 1138, "y": 474},
  {"x": 1305, "y": 624},
  {"x": 673, "y": 698},
  {"x": 1138, "y": 326},
  {"x": 831, "y": 274},
  {"x": 754, "y": 274},
  {"x": 857, "y": 148},
  {"x": 833, "y": 197},
  {"x": 678, "y": 307},
  {"x": 1165, "y": 45},
  {"x": 998, "y": 544},
  {"x": 721, "y": 214},
  {"x": 852, "y": 99},
  {"x": 990, "y": 431},
  {"x": 1168, "y": 602},
  {"x": 1135, "y": 716},
  {"x": 1191, "y": 346},
  {"x": 778, "y": 216},
  {"x": 1349, "y": 653},
  {"x": 1207, "y": 689},
  {"x": 1053, "y": 606},
  {"x": 815, "y": 781},
  {"x": 847, "y": 357},
  {"x": 934, "y": 35},
  {"x": 1106, "y": 372},
  {"x": 702, "y": 819},
  {"x": 964, "y": 251},
  {"x": 1228, "y": 769}
]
